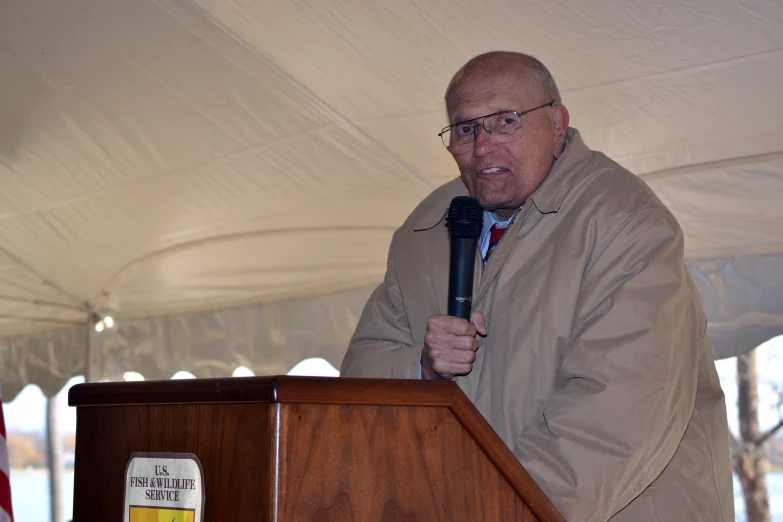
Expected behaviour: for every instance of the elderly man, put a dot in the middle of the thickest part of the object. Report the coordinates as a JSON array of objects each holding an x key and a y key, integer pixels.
[{"x": 587, "y": 349}]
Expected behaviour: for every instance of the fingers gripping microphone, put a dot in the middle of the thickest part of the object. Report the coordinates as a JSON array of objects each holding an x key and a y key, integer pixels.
[{"x": 464, "y": 220}]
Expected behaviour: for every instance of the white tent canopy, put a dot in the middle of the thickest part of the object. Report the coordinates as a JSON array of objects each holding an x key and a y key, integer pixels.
[{"x": 223, "y": 176}]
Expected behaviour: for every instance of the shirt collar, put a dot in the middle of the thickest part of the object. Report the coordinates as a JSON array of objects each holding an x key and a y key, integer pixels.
[{"x": 489, "y": 219}]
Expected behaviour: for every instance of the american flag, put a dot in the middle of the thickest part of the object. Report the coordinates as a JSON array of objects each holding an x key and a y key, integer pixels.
[{"x": 6, "y": 513}]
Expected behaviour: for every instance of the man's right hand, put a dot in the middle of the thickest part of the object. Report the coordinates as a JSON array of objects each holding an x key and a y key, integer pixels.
[{"x": 450, "y": 346}]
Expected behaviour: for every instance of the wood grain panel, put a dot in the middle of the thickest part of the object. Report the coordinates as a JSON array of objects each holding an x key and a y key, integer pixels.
[
  {"x": 392, "y": 464},
  {"x": 232, "y": 441},
  {"x": 504, "y": 460}
]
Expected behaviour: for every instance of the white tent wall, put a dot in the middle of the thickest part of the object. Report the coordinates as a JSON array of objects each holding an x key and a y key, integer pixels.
[
  {"x": 185, "y": 165},
  {"x": 269, "y": 339}
]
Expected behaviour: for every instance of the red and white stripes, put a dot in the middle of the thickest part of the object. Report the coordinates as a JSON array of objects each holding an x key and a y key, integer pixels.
[{"x": 6, "y": 513}]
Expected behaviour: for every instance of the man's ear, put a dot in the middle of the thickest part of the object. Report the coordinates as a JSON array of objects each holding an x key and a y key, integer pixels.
[{"x": 560, "y": 114}]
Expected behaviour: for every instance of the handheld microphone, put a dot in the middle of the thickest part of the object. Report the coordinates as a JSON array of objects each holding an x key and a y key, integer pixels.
[{"x": 464, "y": 219}]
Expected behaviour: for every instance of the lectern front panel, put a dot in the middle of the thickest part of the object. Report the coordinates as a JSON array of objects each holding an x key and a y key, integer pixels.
[{"x": 232, "y": 441}]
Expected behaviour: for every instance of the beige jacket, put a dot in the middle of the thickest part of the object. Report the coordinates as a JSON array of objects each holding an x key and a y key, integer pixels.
[{"x": 597, "y": 371}]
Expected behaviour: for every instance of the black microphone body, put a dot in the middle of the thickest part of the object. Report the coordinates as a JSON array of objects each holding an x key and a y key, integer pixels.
[
  {"x": 464, "y": 221},
  {"x": 461, "y": 271}
]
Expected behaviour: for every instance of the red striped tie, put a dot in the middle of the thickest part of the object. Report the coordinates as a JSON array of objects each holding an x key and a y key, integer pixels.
[
  {"x": 495, "y": 233},
  {"x": 6, "y": 513}
]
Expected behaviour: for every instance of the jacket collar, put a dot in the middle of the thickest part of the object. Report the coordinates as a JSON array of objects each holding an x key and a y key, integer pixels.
[{"x": 547, "y": 198}]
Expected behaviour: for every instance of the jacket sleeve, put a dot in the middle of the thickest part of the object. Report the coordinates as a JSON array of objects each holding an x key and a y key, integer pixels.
[
  {"x": 627, "y": 385},
  {"x": 382, "y": 345}
]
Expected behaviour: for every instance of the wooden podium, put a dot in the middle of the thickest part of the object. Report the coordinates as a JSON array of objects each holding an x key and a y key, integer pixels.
[{"x": 306, "y": 449}]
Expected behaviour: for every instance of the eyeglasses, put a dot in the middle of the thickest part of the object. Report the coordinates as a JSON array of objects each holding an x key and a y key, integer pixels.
[{"x": 502, "y": 127}]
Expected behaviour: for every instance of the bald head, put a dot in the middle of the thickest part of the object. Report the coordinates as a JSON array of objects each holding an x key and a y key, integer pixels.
[
  {"x": 502, "y": 167},
  {"x": 537, "y": 79}
]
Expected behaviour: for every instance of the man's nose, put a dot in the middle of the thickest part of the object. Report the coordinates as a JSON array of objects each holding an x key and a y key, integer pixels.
[{"x": 484, "y": 144}]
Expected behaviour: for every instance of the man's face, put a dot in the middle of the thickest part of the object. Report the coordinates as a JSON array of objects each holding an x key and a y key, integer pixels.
[{"x": 502, "y": 175}]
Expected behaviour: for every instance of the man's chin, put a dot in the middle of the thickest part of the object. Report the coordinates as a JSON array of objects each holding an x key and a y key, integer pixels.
[
  {"x": 491, "y": 201},
  {"x": 492, "y": 205}
]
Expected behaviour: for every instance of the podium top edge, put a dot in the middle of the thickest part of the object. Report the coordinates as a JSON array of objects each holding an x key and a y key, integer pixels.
[{"x": 275, "y": 389}]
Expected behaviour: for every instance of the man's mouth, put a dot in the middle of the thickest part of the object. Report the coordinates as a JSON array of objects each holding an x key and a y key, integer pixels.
[{"x": 492, "y": 170}]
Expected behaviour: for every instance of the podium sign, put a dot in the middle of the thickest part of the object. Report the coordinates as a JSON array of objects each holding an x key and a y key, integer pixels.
[{"x": 164, "y": 486}]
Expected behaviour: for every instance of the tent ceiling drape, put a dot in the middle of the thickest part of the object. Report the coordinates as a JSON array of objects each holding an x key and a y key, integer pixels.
[{"x": 203, "y": 170}]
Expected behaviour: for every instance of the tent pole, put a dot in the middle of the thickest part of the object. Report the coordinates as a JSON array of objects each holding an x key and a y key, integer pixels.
[
  {"x": 56, "y": 465},
  {"x": 92, "y": 360}
]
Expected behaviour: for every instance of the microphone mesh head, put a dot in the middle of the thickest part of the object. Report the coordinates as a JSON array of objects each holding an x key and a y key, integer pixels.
[{"x": 465, "y": 217}]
